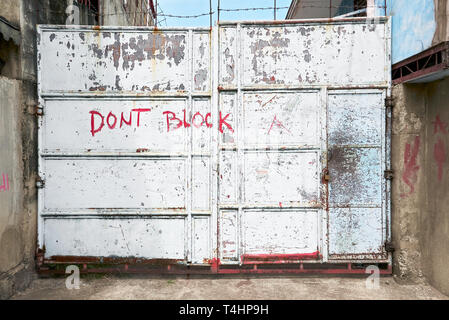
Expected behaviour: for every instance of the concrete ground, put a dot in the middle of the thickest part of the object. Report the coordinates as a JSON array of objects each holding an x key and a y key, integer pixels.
[{"x": 225, "y": 288}]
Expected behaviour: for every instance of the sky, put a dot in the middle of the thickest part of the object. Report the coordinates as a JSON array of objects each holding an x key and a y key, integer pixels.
[{"x": 195, "y": 7}]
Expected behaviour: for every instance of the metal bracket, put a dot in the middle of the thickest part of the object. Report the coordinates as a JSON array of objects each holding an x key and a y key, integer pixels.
[
  {"x": 389, "y": 174},
  {"x": 39, "y": 111},
  {"x": 35, "y": 110},
  {"x": 389, "y": 102},
  {"x": 389, "y": 246},
  {"x": 40, "y": 183},
  {"x": 326, "y": 176}
]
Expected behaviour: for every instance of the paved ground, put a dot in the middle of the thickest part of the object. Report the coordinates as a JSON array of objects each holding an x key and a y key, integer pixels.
[{"x": 284, "y": 288}]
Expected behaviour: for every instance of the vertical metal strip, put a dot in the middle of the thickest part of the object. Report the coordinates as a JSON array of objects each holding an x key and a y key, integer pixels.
[
  {"x": 240, "y": 144},
  {"x": 384, "y": 156},
  {"x": 40, "y": 136},
  {"x": 189, "y": 178},
  {"x": 388, "y": 130},
  {"x": 214, "y": 139},
  {"x": 323, "y": 192}
]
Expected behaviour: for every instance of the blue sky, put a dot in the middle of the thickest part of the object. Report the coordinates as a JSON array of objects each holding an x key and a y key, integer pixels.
[{"x": 194, "y": 7}]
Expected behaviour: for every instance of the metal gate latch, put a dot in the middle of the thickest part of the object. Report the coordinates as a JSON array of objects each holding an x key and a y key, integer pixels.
[
  {"x": 40, "y": 183},
  {"x": 389, "y": 102},
  {"x": 389, "y": 174},
  {"x": 326, "y": 176},
  {"x": 389, "y": 247}
]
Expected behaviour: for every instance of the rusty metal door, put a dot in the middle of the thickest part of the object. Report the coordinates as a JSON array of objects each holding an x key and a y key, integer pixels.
[
  {"x": 248, "y": 143},
  {"x": 125, "y": 144},
  {"x": 301, "y": 172}
]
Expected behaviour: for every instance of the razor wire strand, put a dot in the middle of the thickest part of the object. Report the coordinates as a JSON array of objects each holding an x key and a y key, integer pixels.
[{"x": 162, "y": 14}]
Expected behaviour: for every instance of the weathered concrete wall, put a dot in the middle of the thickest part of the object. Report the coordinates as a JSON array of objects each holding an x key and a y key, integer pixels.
[
  {"x": 9, "y": 9},
  {"x": 13, "y": 261},
  {"x": 113, "y": 13},
  {"x": 18, "y": 205},
  {"x": 18, "y": 136},
  {"x": 133, "y": 13},
  {"x": 421, "y": 187},
  {"x": 408, "y": 187},
  {"x": 434, "y": 232}
]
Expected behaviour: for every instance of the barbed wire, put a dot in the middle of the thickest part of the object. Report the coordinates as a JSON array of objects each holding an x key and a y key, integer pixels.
[
  {"x": 95, "y": 13},
  {"x": 249, "y": 9}
]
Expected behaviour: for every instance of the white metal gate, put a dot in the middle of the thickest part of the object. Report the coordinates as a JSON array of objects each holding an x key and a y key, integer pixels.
[{"x": 251, "y": 143}]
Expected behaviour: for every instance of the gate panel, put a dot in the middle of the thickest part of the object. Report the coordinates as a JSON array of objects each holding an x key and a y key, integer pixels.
[
  {"x": 280, "y": 82},
  {"x": 92, "y": 125},
  {"x": 251, "y": 143},
  {"x": 277, "y": 232},
  {"x": 155, "y": 238},
  {"x": 314, "y": 54},
  {"x": 125, "y": 143},
  {"x": 356, "y": 166}
]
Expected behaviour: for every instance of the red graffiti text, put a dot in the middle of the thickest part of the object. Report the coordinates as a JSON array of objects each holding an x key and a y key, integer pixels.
[
  {"x": 5, "y": 185},
  {"x": 411, "y": 168},
  {"x": 98, "y": 120}
]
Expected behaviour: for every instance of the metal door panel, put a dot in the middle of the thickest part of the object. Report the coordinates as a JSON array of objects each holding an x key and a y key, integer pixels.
[
  {"x": 122, "y": 60},
  {"x": 356, "y": 162},
  {"x": 114, "y": 183},
  {"x": 201, "y": 243},
  {"x": 94, "y": 125},
  {"x": 281, "y": 119},
  {"x": 154, "y": 238},
  {"x": 243, "y": 125},
  {"x": 355, "y": 231},
  {"x": 355, "y": 176},
  {"x": 363, "y": 127},
  {"x": 228, "y": 106},
  {"x": 201, "y": 133},
  {"x": 229, "y": 236},
  {"x": 274, "y": 232},
  {"x": 314, "y": 54},
  {"x": 282, "y": 179},
  {"x": 228, "y": 67},
  {"x": 201, "y": 186},
  {"x": 228, "y": 178}
]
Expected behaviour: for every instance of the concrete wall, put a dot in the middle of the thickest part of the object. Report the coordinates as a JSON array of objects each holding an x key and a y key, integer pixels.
[
  {"x": 113, "y": 13},
  {"x": 421, "y": 186},
  {"x": 14, "y": 262},
  {"x": 10, "y": 9},
  {"x": 125, "y": 13},
  {"x": 18, "y": 136},
  {"x": 18, "y": 159},
  {"x": 435, "y": 219}
]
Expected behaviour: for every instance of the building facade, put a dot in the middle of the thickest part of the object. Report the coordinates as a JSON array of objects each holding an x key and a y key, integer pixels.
[
  {"x": 18, "y": 108},
  {"x": 420, "y": 142}
]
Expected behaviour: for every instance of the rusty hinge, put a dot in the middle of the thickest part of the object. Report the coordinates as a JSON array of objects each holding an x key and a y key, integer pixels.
[
  {"x": 40, "y": 183},
  {"x": 389, "y": 174},
  {"x": 326, "y": 175},
  {"x": 389, "y": 247},
  {"x": 389, "y": 102},
  {"x": 35, "y": 110}
]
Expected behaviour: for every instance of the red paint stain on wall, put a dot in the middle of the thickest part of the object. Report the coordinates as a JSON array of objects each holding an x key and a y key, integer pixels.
[
  {"x": 411, "y": 168},
  {"x": 439, "y": 126},
  {"x": 5, "y": 185},
  {"x": 439, "y": 154}
]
